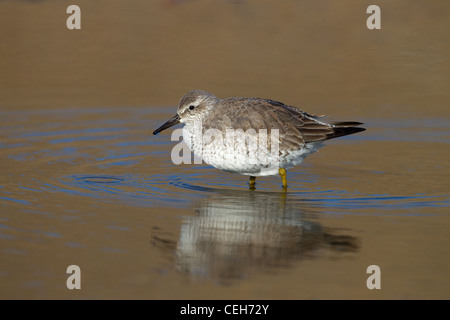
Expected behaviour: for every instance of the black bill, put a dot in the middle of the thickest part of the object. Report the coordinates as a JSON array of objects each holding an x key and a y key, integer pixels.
[{"x": 171, "y": 122}]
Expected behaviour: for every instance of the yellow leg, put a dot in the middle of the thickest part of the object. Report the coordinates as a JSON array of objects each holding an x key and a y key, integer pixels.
[
  {"x": 282, "y": 173},
  {"x": 251, "y": 182}
]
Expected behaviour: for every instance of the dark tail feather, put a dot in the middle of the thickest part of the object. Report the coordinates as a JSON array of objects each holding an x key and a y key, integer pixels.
[
  {"x": 346, "y": 124},
  {"x": 345, "y": 128}
]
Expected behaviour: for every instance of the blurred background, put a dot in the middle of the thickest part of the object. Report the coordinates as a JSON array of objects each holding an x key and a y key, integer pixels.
[
  {"x": 83, "y": 180},
  {"x": 315, "y": 55}
]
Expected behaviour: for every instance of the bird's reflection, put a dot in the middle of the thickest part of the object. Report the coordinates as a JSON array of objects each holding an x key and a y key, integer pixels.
[{"x": 236, "y": 234}]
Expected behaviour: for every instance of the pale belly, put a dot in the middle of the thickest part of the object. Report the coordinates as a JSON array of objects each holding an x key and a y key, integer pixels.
[{"x": 243, "y": 156}]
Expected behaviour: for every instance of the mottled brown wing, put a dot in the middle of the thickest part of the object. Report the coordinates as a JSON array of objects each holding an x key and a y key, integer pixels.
[
  {"x": 313, "y": 130},
  {"x": 295, "y": 126}
]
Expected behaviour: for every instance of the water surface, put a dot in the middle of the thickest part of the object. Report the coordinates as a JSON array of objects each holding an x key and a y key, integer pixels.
[{"x": 85, "y": 182}]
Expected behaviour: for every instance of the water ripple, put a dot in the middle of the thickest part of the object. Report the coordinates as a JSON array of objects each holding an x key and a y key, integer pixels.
[
  {"x": 112, "y": 156},
  {"x": 178, "y": 191}
]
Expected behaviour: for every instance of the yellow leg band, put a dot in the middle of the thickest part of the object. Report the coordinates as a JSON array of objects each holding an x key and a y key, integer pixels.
[
  {"x": 251, "y": 182},
  {"x": 282, "y": 173}
]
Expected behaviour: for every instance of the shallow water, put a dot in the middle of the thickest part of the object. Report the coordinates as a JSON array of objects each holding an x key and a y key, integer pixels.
[
  {"x": 87, "y": 184},
  {"x": 95, "y": 189}
]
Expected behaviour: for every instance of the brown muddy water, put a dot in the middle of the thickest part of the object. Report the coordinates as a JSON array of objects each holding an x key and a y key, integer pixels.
[{"x": 84, "y": 182}]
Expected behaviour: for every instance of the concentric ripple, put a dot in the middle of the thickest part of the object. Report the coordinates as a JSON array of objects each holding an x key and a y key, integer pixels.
[{"x": 111, "y": 155}]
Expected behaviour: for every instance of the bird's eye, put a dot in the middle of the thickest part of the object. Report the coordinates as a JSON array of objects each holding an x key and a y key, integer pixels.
[{"x": 191, "y": 107}]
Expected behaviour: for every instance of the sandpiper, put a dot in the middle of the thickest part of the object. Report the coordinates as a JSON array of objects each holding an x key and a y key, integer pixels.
[{"x": 267, "y": 137}]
